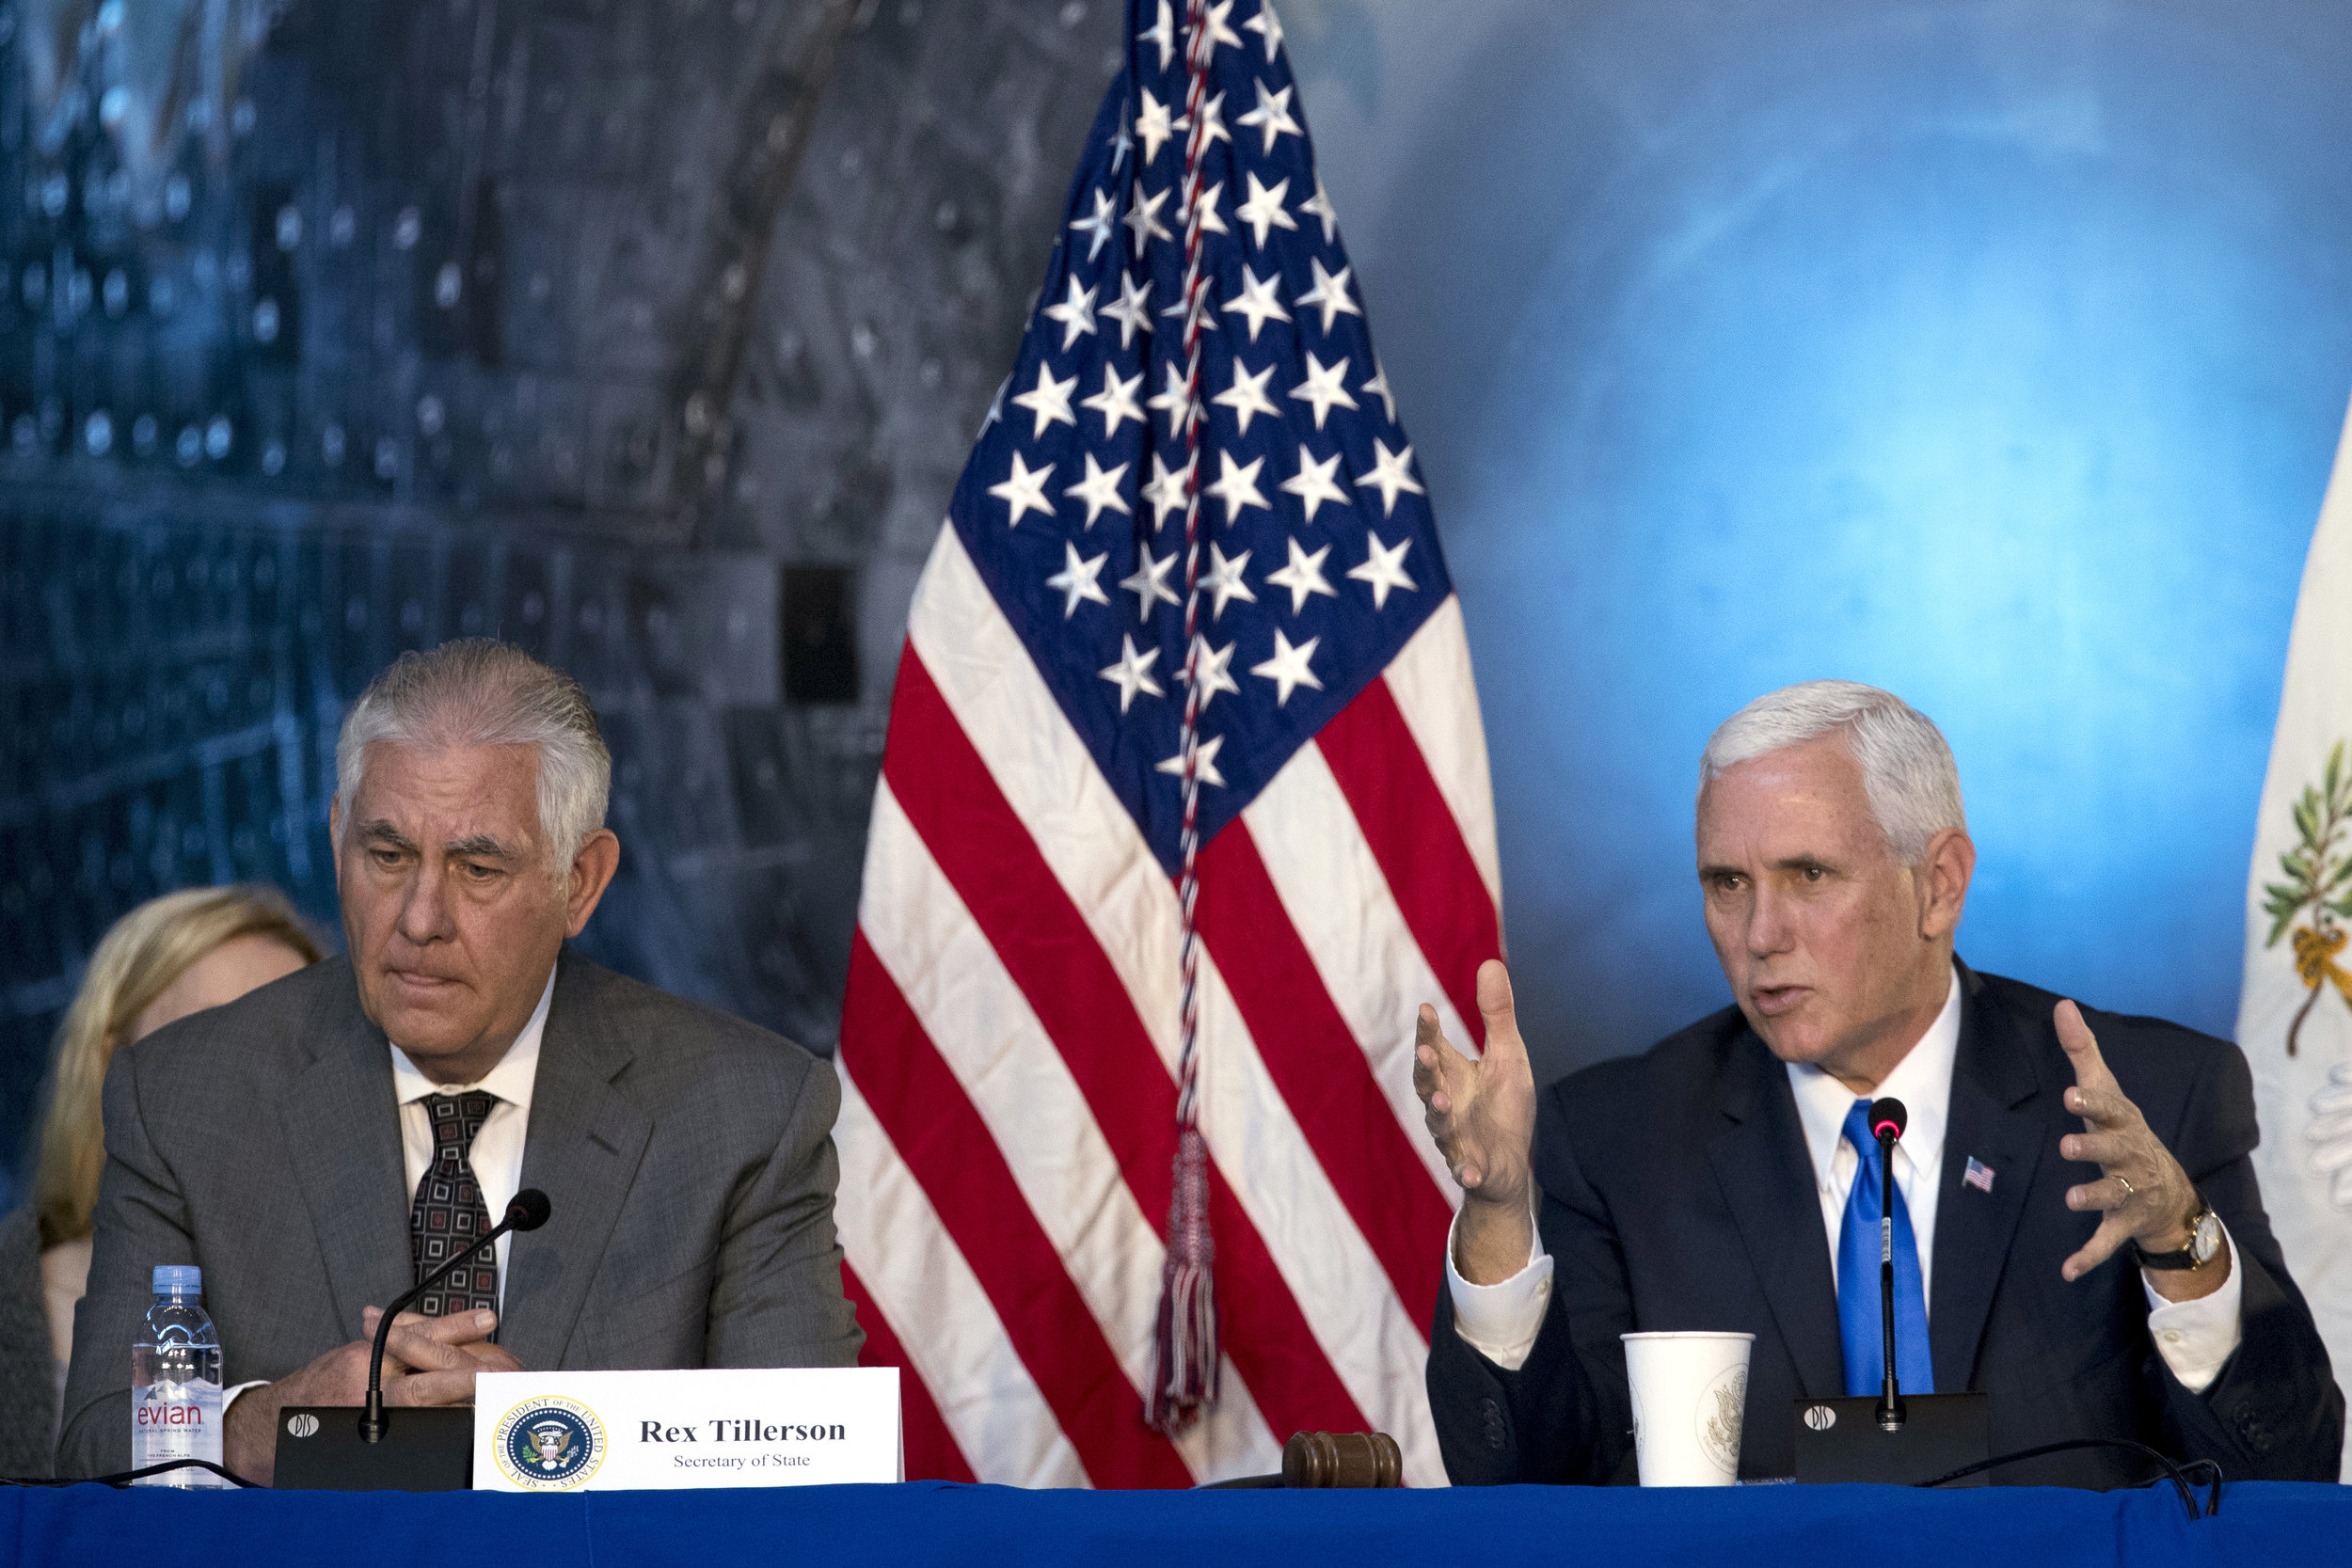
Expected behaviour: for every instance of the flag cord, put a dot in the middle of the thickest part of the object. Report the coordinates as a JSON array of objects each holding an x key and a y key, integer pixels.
[{"x": 1184, "y": 1343}]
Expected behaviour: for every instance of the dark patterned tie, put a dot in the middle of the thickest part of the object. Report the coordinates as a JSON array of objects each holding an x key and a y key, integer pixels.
[{"x": 448, "y": 1214}]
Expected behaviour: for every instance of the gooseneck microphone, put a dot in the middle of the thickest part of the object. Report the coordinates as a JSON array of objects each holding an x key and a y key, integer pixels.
[
  {"x": 1888, "y": 1120},
  {"x": 528, "y": 1212}
]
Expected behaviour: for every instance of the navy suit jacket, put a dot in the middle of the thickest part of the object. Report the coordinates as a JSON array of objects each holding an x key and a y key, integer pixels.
[{"x": 1678, "y": 1195}]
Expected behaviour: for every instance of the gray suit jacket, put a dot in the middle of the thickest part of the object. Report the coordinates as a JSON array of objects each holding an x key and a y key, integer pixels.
[
  {"x": 28, "y": 1380},
  {"x": 687, "y": 1156}
]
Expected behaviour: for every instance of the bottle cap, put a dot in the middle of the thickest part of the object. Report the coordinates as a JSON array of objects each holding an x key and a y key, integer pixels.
[{"x": 178, "y": 1279}]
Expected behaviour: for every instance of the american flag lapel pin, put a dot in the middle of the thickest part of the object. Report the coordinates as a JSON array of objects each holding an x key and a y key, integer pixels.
[{"x": 1978, "y": 1174}]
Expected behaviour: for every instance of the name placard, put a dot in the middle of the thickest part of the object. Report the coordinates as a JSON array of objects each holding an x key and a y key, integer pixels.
[{"x": 796, "y": 1426}]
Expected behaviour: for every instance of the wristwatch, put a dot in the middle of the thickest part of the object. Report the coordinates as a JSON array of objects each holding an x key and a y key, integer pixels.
[{"x": 2204, "y": 1239}]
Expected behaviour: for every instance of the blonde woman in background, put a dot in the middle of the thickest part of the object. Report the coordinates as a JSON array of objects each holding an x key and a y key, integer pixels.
[{"x": 170, "y": 957}]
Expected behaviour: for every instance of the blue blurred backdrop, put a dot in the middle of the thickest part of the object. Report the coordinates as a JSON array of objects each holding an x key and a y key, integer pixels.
[
  {"x": 1990, "y": 351},
  {"x": 1993, "y": 353}
]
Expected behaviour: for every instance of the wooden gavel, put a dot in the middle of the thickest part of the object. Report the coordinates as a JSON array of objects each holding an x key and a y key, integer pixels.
[
  {"x": 1332, "y": 1459},
  {"x": 1354, "y": 1459}
]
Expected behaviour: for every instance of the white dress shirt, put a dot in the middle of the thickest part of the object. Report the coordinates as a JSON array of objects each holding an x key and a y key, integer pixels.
[
  {"x": 1502, "y": 1320},
  {"x": 1923, "y": 1082},
  {"x": 497, "y": 1151}
]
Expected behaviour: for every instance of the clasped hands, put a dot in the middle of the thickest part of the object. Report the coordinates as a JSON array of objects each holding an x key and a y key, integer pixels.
[
  {"x": 1481, "y": 1114},
  {"x": 427, "y": 1361}
]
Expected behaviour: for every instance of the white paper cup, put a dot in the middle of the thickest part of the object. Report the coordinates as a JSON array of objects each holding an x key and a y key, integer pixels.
[{"x": 1690, "y": 1395}]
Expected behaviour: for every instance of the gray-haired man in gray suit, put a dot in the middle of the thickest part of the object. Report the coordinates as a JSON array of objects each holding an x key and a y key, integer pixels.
[{"x": 319, "y": 1145}]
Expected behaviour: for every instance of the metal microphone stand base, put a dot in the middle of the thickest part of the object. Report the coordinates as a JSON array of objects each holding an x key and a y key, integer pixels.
[
  {"x": 1844, "y": 1440},
  {"x": 423, "y": 1449}
]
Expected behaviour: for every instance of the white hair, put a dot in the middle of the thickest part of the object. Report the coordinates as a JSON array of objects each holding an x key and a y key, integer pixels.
[
  {"x": 483, "y": 693},
  {"x": 1907, "y": 768}
]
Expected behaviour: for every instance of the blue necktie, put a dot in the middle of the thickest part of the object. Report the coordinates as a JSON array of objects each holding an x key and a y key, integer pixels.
[{"x": 1858, "y": 1278}]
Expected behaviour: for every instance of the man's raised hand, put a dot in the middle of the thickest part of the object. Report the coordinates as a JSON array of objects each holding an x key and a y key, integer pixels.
[
  {"x": 2142, "y": 1194},
  {"x": 1481, "y": 1113}
]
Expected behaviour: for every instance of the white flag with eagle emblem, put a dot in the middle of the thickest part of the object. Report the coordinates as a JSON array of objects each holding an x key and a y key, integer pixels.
[{"x": 2295, "y": 1011}]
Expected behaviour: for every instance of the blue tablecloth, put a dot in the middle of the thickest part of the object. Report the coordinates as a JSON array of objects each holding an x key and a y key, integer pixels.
[{"x": 2267, "y": 1524}]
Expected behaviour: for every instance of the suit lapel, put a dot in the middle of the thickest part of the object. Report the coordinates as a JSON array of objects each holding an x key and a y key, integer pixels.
[
  {"x": 1993, "y": 1120},
  {"x": 1767, "y": 1177},
  {"x": 342, "y": 1134},
  {"x": 583, "y": 1149}
]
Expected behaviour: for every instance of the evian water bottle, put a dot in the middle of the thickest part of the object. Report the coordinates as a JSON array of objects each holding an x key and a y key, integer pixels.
[{"x": 175, "y": 1382}]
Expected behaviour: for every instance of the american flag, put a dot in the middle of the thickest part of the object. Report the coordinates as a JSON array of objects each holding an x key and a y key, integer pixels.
[{"x": 1012, "y": 1035}]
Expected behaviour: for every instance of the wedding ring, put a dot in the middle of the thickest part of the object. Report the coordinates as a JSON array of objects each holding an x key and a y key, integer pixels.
[{"x": 2127, "y": 1187}]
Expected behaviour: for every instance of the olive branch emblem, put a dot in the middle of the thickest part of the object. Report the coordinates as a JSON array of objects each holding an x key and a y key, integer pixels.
[{"x": 2319, "y": 870}]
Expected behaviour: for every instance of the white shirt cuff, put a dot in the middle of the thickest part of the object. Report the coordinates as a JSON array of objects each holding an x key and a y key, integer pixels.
[
  {"x": 2195, "y": 1337},
  {"x": 1500, "y": 1322},
  {"x": 228, "y": 1396}
]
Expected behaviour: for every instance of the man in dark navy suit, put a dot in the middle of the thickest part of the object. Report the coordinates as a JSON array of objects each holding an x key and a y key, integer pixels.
[{"x": 2078, "y": 1231}]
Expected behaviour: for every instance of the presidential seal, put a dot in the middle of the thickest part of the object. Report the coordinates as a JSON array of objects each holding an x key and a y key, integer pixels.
[{"x": 549, "y": 1444}]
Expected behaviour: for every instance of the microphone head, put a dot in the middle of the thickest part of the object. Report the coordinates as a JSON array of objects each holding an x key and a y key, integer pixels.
[
  {"x": 1888, "y": 1120},
  {"x": 530, "y": 1209}
]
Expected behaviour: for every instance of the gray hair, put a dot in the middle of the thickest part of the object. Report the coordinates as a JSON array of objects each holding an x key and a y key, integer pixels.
[
  {"x": 483, "y": 693},
  {"x": 1907, "y": 768}
]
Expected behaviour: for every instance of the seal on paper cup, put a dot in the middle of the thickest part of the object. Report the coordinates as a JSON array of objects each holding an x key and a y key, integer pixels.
[{"x": 1722, "y": 1406}]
